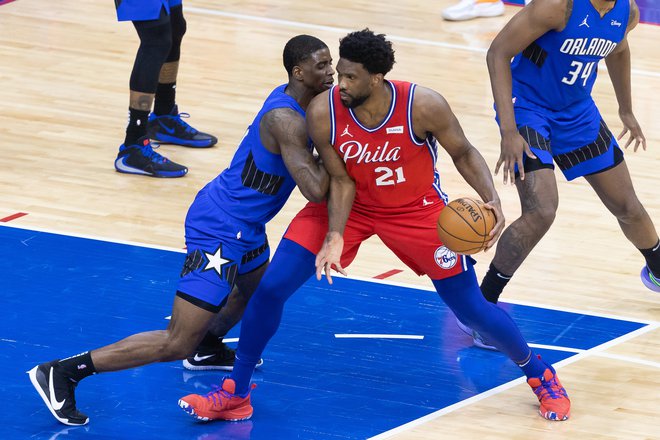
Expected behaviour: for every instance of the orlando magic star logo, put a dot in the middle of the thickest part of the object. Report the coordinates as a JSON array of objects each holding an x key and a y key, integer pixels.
[{"x": 216, "y": 261}]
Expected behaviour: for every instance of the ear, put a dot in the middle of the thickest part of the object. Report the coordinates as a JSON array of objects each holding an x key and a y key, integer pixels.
[
  {"x": 377, "y": 79},
  {"x": 297, "y": 73}
]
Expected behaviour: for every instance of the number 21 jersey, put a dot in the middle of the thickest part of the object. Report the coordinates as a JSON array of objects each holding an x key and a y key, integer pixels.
[{"x": 391, "y": 166}]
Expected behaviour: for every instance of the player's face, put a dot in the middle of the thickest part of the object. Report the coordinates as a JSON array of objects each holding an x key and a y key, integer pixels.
[
  {"x": 354, "y": 83},
  {"x": 317, "y": 71}
]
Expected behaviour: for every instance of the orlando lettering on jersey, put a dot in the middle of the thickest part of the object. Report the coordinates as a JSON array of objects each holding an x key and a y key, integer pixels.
[{"x": 599, "y": 47}]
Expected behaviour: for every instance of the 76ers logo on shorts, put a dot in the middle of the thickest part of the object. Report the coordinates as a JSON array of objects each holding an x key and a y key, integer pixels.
[{"x": 445, "y": 258}]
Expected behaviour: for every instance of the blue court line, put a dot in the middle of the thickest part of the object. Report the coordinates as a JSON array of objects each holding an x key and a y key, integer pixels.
[{"x": 62, "y": 295}]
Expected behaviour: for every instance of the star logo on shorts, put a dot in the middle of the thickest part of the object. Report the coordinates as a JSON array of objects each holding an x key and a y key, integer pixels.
[{"x": 216, "y": 261}]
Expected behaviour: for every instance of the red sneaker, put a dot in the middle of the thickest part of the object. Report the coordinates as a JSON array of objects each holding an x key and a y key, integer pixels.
[
  {"x": 220, "y": 404},
  {"x": 555, "y": 404}
]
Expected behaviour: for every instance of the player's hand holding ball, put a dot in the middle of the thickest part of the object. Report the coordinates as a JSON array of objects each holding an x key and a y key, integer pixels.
[{"x": 468, "y": 226}]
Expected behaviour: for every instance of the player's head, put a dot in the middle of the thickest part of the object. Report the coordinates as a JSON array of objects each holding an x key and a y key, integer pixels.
[
  {"x": 307, "y": 60},
  {"x": 364, "y": 60}
]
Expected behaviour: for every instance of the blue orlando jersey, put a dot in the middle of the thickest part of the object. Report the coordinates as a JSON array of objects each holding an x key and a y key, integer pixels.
[
  {"x": 559, "y": 68},
  {"x": 257, "y": 183}
]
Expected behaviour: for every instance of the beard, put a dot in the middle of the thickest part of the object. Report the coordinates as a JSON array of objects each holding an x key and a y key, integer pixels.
[{"x": 355, "y": 101}]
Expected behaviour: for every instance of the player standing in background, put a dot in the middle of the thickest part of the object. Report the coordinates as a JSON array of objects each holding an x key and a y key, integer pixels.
[
  {"x": 378, "y": 142},
  {"x": 225, "y": 233},
  {"x": 557, "y": 45},
  {"x": 160, "y": 25}
]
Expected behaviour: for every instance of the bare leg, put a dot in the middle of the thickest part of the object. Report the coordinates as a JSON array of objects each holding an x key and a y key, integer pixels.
[
  {"x": 185, "y": 330},
  {"x": 232, "y": 312},
  {"x": 539, "y": 200},
  {"x": 615, "y": 189}
]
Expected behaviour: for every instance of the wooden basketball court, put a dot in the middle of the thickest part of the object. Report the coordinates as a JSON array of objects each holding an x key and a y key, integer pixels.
[{"x": 64, "y": 79}]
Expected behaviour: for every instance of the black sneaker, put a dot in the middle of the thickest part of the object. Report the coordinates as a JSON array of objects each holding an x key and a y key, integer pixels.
[
  {"x": 140, "y": 158},
  {"x": 58, "y": 393},
  {"x": 172, "y": 129},
  {"x": 222, "y": 359}
]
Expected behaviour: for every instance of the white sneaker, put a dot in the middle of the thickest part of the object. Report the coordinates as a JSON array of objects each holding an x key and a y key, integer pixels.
[{"x": 469, "y": 9}]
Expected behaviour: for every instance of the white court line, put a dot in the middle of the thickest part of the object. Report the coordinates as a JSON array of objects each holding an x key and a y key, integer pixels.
[
  {"x": 581, "y": 354},
  {"x": 375, "y": 336},
  {"x": 339, "y": 30}
]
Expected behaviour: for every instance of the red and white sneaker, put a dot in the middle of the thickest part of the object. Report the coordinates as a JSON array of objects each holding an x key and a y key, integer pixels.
[
  {"x": 219, "y": 404},
  {"x": 555, "y": 404}
]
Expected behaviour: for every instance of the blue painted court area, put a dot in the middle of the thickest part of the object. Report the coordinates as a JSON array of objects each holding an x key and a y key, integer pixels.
[{"x": 62, "y": 295}]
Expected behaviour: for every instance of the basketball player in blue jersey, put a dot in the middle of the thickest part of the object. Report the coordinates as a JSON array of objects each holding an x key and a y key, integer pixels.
[
  {"x": 160, "y": 25},
  {"x": 225, "y": 233},
  {"x": 546, "y": 113}
]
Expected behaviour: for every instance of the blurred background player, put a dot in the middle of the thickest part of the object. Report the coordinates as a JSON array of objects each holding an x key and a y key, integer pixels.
[
  {"x": 469, "y": 9},
  {"x": 160, "y": 25}
]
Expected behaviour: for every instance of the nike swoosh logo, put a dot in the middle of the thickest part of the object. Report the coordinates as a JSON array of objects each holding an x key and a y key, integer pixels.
[
  {"x": 53, "y": 400},
  {"x": 199, "y": 358},
  {"x": 166, "y": 128},
  {"x": 122, "y": 166}
]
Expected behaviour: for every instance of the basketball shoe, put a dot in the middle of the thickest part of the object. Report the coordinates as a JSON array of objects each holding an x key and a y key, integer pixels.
[
  {"x": 219, "y": 359},
  {"x": 141, "y": 158},
  {"x": 172, "y": 129},
  {"x": 477, "y": 339},
  {"x": 58, "y": 393},
  {"x": 650, "y": 280},
  {"x": 469, "y": 9},
  {"x": 219, "y": 404},
  {"x": 552, "y": 396}
]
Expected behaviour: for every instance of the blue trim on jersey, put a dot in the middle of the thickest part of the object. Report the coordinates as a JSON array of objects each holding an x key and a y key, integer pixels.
[
  {"x": 416, "y": 141},
  {"x": 333, "y": 121},
  {"x": 387, "y": 118}
]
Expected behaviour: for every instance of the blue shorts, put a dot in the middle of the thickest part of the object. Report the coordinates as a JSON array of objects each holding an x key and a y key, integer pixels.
[
  {"x": 576, "y": 139},
  {"x": 219, "y": 249},
  {"x": 140, "y": 10}
]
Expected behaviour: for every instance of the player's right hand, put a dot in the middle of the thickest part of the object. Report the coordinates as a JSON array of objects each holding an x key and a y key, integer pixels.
[
  {"x": 512, "y": 148},
  {"x": 329, "y": 257}
]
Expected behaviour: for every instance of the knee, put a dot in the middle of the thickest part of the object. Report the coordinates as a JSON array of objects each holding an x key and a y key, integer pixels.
[
  {"x": 541, "y": 217},
  {"x": 176, "y": 349},
  {"x": 155, "y": 41},
  {"x": 630, "y": 212}
]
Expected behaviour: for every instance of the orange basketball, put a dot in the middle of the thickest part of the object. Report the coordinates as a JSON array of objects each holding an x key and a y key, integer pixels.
[{"x": 464, "y": 225}]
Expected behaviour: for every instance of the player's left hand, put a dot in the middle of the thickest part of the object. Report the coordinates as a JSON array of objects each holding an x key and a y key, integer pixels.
[
  {"x": 329, "y": 257},
  {"x": 496, "y": 207},
  {"x": 631, "y": 125}
]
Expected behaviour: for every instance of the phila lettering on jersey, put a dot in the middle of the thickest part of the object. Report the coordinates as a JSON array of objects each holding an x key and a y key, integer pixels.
[
  {"x": 559, "y": 68},
  {"x": 391, "y": 166}
]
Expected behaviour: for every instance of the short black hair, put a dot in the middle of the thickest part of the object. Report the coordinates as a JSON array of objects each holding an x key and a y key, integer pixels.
[
  {"x": 373, "y": 51},
  {"x": 298, "y": 49}
]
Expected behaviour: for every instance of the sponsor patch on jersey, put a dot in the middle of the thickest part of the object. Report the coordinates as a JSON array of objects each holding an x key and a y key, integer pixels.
[
  {"x": 394, "y": 130},
  {"x": 445, "y": 258}
]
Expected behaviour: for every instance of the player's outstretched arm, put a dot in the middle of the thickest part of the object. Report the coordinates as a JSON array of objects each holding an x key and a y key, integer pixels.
[
  {"x": 432, "y": 114},
  {"x": 525, "y": 27},
  {"x": 618, "y": 67},
  {"x": 342, "y": 187},
  {"x": 288, "y": 131}
]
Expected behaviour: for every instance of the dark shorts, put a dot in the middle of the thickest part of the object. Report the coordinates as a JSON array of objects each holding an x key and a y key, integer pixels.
[
  {"x": 576, "y": 139},
  {"x": 219, "y": 250},
  {"x": 140, "y": 10},
  {"x": 410, "y": 233}
]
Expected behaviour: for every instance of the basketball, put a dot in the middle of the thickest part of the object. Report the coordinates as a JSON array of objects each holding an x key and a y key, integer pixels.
[{"x": 464, "y": 225}]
